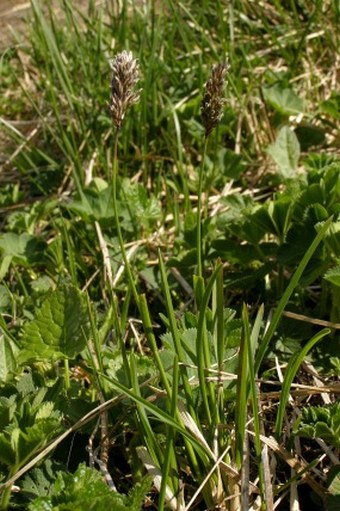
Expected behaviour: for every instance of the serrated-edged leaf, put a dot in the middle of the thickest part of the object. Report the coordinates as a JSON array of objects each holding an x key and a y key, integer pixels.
[
  {"x": 59, "y": 328},
  {"x": 321, "y": 422},
  {"x": 39, "y": 481},
  {"x": 85, "y": 489},
  {"x": 333, "y": 276},
  {"x": 45, "y": 411},
  {"x": 7, "y": 408},
  {"x": 19, "y": 442},
  {"x": 36, "y": 436},
  {"x": 285, "y": 151},
  {"x": 7, "y": 452}
]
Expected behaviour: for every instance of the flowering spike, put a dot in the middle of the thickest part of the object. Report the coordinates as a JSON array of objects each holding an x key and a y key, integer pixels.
[
  {"x": 212, "y": 102},
  {"x": 125, "y": 76}
]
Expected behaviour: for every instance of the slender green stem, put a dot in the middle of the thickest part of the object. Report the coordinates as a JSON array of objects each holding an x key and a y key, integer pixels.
[
  {"x": 241, "y": 398},
  {"x": 202, "y": 349},
  {"x": 199, "y": 210},
  {"x": 251, "y": 339},
  {"x": 116, "y": 219},
  {"x": 153, "y": 344},
  {"x": 169, "y": 451},
  {"x": 291, "y": 371},
  {"x": 6, "y": 493},
  {"x": 177, "y": 340},
  {"x": 67, "y": 374}
]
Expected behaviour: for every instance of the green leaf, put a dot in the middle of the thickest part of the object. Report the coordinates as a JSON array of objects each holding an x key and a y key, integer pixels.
[
  {"x": 59, "y": 329},
  {"x": 331, "y": 106},
  {"x": 290, "y": 373},
  {"x": 137, "y": 206},
  {"x": 23, "y": 249},
  {"x": 333, "y": 276},
  {"x": 285, "y": 101},
  {"x": 285, "y": 152},
  {"x": 7, "y": 409},
  {"x": 229, "y": 164},
  {"x": 333, "y": 480},
  {"x": 8, "y": 357},
  {"x": 94, "y": 204},
  {"x": 27, "y": 423},
  {"x": 321, "y": 422},
  {"x": 39, "y": 481},
  {"x": 85, "y": 489}
]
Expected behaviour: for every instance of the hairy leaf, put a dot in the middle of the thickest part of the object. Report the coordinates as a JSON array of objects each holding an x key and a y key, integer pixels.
[{"x": 58, "y": 329}]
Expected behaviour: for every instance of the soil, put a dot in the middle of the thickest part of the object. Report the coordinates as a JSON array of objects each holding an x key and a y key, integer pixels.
[{"x": 12, "y": 16}]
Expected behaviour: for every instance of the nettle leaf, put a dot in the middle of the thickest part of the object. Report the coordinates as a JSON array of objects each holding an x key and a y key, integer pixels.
[
  {"x": 285, "y": 151},
  {"x": 285, "y": 101},
  {"x": 59, "y": 329},
  {"x": 321, "y": 422}
]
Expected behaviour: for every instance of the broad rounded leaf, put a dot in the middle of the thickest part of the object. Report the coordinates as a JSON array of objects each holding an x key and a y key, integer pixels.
[{"x": 285, "y": 101}]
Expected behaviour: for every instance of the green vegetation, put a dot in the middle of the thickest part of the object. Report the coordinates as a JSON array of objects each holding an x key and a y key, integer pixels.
[{"x": 170, "y": 259}]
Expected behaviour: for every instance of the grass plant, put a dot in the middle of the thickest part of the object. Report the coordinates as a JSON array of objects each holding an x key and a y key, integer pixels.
[{"x": 169, "y": 257}]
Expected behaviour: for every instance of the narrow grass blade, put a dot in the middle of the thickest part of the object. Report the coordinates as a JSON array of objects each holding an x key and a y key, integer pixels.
[
  {"x": 251, "y": 341},
  {"x": 288, "y": 292},
  {"x": 147, "y": 325},
  {"x": 202, "y": 348},
  {"x": 241, "y": 392},
  {"x": 176, "y": 336},
  {"x": 143, "y": 423},
  {"x": 162, "y": 416},
  {"x": 169, "y": 451},
  {"x": 156, "y": 473},
  {"x": 291, "y": 371}
]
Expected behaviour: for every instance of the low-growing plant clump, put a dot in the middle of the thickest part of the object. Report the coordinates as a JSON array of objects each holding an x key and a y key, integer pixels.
[{"x": 170, "y": 257}]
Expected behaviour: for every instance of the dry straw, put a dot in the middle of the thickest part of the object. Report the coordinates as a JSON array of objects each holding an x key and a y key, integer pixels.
[
  {"x": 125, "y": 75},
  {"x": 213, "y": 101}
]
